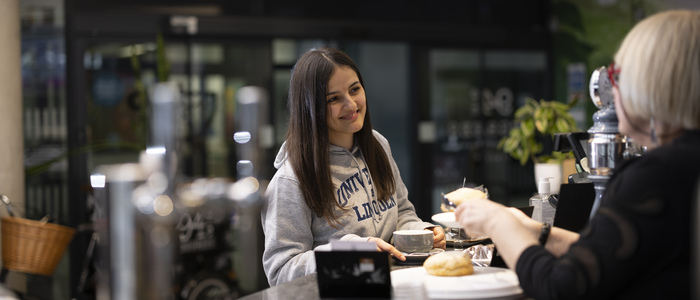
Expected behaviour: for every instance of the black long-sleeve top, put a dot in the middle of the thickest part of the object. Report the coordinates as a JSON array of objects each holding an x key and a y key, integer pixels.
[{"x": 637, "y": 246}]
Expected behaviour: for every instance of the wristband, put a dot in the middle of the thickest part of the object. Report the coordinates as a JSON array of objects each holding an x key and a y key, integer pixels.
[{"x": 544, "y": 233}]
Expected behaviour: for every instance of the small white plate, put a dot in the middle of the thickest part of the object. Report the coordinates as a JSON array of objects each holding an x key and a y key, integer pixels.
[
  {"x": 486, "y": 282},
  {"x": 447, "y": 219},
  {"x": 421, "y": 256}
]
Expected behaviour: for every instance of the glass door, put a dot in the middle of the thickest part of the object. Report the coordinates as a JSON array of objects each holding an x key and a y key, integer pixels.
[
  {"x": 118, "y": 75},
  {"x": 473, "y": 94},
  {"x": 115, "y": 80}
]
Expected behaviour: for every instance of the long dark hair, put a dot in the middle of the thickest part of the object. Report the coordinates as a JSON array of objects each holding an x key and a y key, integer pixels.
[{"x": 307, "y": 135}]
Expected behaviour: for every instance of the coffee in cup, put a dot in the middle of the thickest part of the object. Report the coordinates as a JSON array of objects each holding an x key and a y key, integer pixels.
[{"x": 411, "y": 241}]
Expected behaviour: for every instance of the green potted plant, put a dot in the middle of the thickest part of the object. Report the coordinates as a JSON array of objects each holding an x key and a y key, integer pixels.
[{"x": 540, "y": 120}]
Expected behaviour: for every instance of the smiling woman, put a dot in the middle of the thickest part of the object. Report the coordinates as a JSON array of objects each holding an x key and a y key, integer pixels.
[
  {"x": 346, "y": 107},
  {"x": 336, "y": 177}
]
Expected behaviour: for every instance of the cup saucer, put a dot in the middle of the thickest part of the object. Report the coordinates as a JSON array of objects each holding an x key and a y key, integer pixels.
[{"x": 421, "y": 256}]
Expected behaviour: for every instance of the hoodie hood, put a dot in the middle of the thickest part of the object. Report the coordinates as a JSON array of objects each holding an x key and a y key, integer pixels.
[
  {"x": 333, "y": 150},
  {"x": 281, "y": 156}
]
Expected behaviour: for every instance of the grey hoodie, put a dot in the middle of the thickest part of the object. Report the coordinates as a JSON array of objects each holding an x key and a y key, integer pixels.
[{"x": 293, "y": 232}]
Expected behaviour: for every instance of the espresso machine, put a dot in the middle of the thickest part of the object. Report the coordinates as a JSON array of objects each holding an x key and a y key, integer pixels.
[
  {"x": 606, "y": 146},
  {"x": 136, "y": 211},
  {"x": 597, "y": 152}
]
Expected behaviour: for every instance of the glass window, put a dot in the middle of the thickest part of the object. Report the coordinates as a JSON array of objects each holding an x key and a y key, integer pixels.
[
  {"x": 473, "y": 94},
  {"x": 43, "y": 63},
  {"x": 118, "y": 76}
]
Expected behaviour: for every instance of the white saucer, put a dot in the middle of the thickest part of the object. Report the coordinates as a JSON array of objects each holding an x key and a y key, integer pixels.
[
  {"x": 421, "y": 255},
  {"x": 447, "y": 219},
  {"x": 486, "y": 282}
]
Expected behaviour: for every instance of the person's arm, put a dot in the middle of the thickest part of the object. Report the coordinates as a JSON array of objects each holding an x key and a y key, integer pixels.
[
  {"x": 559, "y": 240},
  {"x": 510, "y": 230},
  {"x": 482, "y": 217},
  {"x": 289, "y": 238},
  {"x": 286, "y": 222}
]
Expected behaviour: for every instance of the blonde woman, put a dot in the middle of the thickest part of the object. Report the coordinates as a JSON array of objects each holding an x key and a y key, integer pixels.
[{"x": 637, "y": 246}]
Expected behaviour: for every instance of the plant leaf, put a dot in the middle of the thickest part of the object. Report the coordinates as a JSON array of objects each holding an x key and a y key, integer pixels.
[
  {"x": 550, "y": 115},
  {"x": 562, "y": 125},
  {"x": 538, "y": 119},
  {"x": 537, "y": 116},
  {"x": 535, "y": 147},
  {"x": 500, "y": 143},
  {"x": 542, "y": 125},
  {"x": 510, "y": 145},
  {"x": 560, "y": 107},
  {"x": 523, "y": 112},
  {"x": 514, "y": 132},
  {"x": 528, "y": 128},
  {"x": 532, "y": 103},
  {"x": 523, "y": 159}
]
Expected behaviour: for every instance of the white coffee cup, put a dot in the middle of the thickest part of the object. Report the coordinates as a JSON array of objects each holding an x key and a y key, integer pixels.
[{"x": 410, "y": 241}]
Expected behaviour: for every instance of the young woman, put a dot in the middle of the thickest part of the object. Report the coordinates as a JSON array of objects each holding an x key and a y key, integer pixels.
[
  {"x": 637, "y": 246},
  {"x": 336, "y": 178}
]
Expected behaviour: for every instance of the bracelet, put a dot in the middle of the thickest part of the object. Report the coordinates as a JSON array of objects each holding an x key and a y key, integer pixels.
[{"x": 544, "y": 233}]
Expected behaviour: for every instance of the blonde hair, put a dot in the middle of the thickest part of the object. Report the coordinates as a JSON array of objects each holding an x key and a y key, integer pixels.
[{"x": 659, "y": 62}]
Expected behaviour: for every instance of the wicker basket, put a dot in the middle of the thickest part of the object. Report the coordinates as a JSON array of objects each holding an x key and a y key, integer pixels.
[{"x": 33, "y": 247}]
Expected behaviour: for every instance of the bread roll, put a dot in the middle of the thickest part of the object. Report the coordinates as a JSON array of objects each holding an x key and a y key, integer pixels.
[
  {"x": 460, "y": 195},
  {"x": 451, "y": 263}
]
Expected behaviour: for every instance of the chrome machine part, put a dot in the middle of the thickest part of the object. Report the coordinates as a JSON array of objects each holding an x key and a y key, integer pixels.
[
  {"x": 137, "y": 212},
  {"x": 604, "y": 149},
  {"x": 605, "y": 144},
  {"x": 600, "y": 88},
  {"x": 116, "y": 264},
  {"x": 253, "y": 136},
  {"x": 593, "y": 88}
]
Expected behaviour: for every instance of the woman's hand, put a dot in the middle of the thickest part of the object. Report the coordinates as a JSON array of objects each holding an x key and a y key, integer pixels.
[
  {"x": 383, "y": 246},
  {"x": 479, "y": 216},
  {"x": 524, "y": 219},
  {"x": 439, "y": 240},
  {"x": 505, "y": 227}
]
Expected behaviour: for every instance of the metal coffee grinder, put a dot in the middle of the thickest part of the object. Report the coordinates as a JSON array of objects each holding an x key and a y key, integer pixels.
[{"x": 606, "y": 146}]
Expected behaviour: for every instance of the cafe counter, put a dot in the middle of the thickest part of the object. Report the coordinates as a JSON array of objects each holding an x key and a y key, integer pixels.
[
  {"x": 485, "y": 283},
  {"x": 301, "y": 288}
]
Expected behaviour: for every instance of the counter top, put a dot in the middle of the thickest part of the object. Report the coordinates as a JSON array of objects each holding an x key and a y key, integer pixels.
[
  {"x": 307, "y": 287},
  {"x": 301, "y": 288}
]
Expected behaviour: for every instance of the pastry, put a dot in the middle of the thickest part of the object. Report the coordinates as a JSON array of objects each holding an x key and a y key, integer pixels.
[
  {"x": 451, "y": 263},
  {"x": 460, "y": 195}
]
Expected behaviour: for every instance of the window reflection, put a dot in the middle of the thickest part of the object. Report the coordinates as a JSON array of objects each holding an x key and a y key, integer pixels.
[
  {"x": 473, "y": 94},
  {"x": 119, "y": 74}
]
